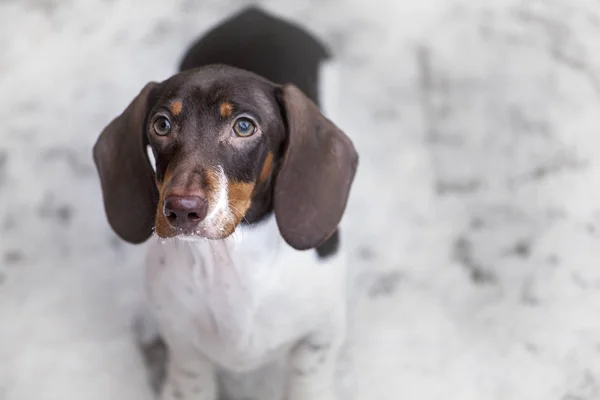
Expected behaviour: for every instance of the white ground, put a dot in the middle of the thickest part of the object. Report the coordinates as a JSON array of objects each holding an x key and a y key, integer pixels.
[{"x": 475, "y": 219}]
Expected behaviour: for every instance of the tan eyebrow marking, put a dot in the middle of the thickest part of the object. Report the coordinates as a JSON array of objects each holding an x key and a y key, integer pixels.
[
  {"x": 226, "y": 109},
  {"x": 176, "y": 107}
]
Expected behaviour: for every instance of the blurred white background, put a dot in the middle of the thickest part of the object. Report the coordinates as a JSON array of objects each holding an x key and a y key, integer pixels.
[{"x": 475, "y": 218}]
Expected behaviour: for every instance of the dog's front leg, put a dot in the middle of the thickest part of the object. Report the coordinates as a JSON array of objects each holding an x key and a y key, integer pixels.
[
  {"x": 313, "y": 365},
  {"x": 189, "y": 377}
]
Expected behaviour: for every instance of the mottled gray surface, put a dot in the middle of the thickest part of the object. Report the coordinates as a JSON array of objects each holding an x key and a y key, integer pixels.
[{"x": 475, "y": 219}]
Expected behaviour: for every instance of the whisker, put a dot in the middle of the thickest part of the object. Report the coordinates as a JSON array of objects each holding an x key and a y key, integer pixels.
[
  {"x": 238, "y": 213},
  {"x": 237, "y": 236}
]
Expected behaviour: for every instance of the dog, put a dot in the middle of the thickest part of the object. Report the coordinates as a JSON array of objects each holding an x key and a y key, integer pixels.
[{"x": 231, "y": 172}]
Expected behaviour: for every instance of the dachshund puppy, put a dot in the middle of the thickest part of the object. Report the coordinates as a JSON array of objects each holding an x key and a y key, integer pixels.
[{"x": 241, "y": 194}]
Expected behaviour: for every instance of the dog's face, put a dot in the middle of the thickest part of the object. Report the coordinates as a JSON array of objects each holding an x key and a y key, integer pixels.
[
  {"x": 229, "y": 147},
  {"x": 216, "y": 137}
]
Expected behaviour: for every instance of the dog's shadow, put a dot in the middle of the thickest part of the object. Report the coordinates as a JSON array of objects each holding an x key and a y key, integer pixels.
[{"x": 155, "y": 355}]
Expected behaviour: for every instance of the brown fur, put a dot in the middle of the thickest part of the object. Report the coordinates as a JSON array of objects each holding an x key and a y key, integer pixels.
[
  {"x": 162, "y": 226},
  {"x": 176, "y": 107},
  {"x": 267, "y": 168},
  {"x": 212, "y": 181},
  {"x": 240, "y": 199},
  {"x": 226, "y": 109}
]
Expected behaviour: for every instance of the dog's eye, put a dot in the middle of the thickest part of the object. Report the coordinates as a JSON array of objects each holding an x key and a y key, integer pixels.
[
  {"x": 162, "y": 126},
  {"x": 244, "y": 127}
]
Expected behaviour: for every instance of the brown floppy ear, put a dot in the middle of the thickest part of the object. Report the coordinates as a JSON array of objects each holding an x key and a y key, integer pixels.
[
  {"x": 128, "y": 183},
  {"x": 315, "y": 175}
]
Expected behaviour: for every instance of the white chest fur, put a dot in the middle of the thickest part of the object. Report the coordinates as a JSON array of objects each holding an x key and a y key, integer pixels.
[{"x": 242, "y": 300}]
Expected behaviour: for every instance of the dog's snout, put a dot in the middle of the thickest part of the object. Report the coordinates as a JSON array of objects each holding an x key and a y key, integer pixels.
[{"x": 185, "y": 212}]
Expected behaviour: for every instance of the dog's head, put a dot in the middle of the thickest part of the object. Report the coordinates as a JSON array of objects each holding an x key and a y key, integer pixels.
[{"x": 230, "y": 147}]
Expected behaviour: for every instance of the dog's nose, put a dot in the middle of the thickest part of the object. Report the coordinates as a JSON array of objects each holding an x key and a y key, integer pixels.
[{"x": 185, "y": 212}]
